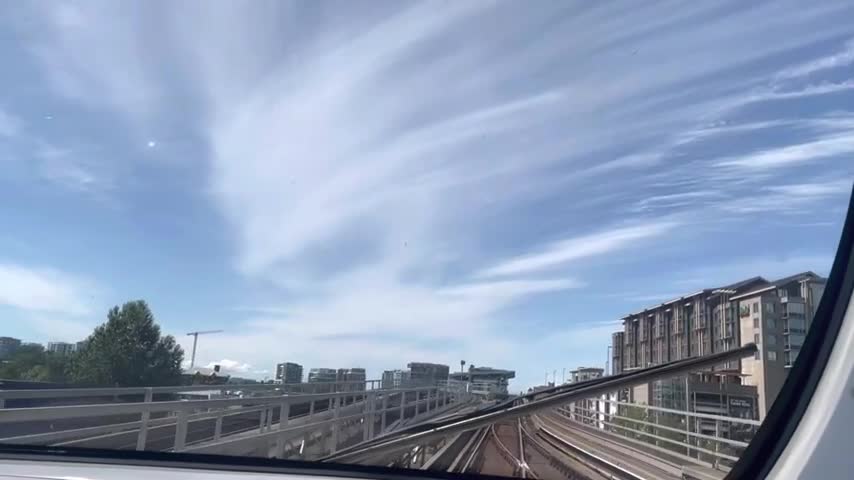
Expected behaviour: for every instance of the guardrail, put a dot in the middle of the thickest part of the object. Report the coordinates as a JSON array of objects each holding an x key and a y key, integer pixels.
[
  {"x": 274, "y": 440},
  {"x": 682, "y": 441},
  {"x": 181, "y": 413},
  {"x": 352, "y": 387}
]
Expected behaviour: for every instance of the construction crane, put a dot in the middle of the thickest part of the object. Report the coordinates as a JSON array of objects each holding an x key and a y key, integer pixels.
[{"x": 195, "y": 340}]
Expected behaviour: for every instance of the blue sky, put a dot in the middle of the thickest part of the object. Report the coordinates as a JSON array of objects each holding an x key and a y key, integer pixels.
[{"x": 368, "y": 185}]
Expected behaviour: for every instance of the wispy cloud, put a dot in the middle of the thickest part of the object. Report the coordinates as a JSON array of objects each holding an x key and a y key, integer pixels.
[
  {"x": 80, "y": 67},
  {"x": 9, "y": 124},
  {"x": 565, "y": 251},
  {"x": 43, "y": 290},
  {"x": 841, "y": 58},
  {"x": 510, "y": 288},
  {"x": 395, "y": 170},
  {"x": 828, "y": 146},
  {"x": 791, "y": 198},
  {"x": 52, "y": 327}
]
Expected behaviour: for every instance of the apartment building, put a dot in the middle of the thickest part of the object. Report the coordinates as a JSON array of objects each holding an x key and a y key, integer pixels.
[
  {"x": 8, "y": 346},
  {"x": 587, "y": 410},
  {"x": 423, "y": 373},
  {"x": 350, "y": 378},
  {"x": 618, "y": 342},
  {"x": 395, "y": 379},
  {"x": 289, "y": 372},
  {"x": 61, "y": 348},
  {"x": 714, "y": 320},
  {"x": 776, "y": 317}
]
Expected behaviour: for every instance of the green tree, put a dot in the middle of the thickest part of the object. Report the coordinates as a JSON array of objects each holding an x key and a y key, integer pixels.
[
  {"x": 31, "y": 362},
  {"x": 128, "y": 350}
]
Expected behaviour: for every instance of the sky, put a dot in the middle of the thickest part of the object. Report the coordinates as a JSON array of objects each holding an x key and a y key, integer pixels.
[{"x": 350, "y": 184}]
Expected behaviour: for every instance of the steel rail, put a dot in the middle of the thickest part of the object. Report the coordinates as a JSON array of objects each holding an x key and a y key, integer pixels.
[
  {"x": 583, "y": 391},
  {"x": 475, "y": 450}
]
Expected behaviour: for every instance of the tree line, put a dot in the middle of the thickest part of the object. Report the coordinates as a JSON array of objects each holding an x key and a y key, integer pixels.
[{"x": 125, "y": 351}]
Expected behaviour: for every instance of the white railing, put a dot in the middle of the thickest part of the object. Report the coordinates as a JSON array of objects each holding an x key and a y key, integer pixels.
[
  {"x": 55, "y": 393},
  {"x": 364, "y": 406},
  {"x": 684, "y": 441}
]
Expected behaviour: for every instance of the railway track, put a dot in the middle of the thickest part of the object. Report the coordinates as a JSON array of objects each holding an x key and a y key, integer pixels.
[
  {"x": 605, "y": 457},
  {"x": 549, "y": 461},
  {"x": 509, "y": 449},
  {"x": 543, "y": 448}
]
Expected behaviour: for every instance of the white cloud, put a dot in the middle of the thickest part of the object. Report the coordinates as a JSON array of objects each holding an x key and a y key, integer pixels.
[
  {"x": 228, "y": 366},
  {"x": 827, "y": 146},
  {"x": 801, "y": 190},
  {"x": 565, "y": 251},
  {"x": 60, "y": 328},
  {"x": 788, "y": 198},
  {"x": 346, "y": 151},
  {"x": 97, "y": 55},
  {"x": 808, "y": 91},
  {"x": 740, "y": 268},
  {"x": 43, "y": 289},
  {"x": 9, "y": 124},
  {"x": 510, "y": 288},
  {"x": 839, "y": 59}
]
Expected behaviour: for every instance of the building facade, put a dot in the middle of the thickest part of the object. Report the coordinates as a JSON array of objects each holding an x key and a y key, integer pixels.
[
  {"x": 395, "y": 379},
  {"x": 617, "y": 345},
  {"x": 289, "y": 372},
  {"x": 776, "y": 318},
  {"x": 423, "y": 374},
  {"x": 325, "y": 378},
  {"x": 587, "y": 410},
  {"x": 61, "y": 348},
  {"x": 8, "y": 346},
  {"x": 485, "y": 382},
  {"x": 582, "y": 374},
  {"x": 717, "y": 320},
  {"x": 350, "y": 378}
]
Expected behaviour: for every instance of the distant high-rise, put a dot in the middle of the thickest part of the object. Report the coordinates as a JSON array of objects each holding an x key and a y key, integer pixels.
[
  {"x": 485, "y": 381},
  {"x": 322, "y": 375},
  {"x": 61, "y": 348},
  {"x": 776, "y": 318},
  {"x": 395, "y": 379},
  {"x": 351, "y": 375},
  {"x": 584, "y": 409},
  {"x": 426, "y": 374},
  {"x": 583, "y": 374},
  {"x": 8, "y": 346},
  {"x": 289, "y": 372}
]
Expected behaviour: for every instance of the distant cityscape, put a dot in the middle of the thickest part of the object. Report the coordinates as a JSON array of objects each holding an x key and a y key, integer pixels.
[
  {"x": 483, "y": 381},
  {"x": 486, "y": 382},
  {"x": 775, "y": 315},
  {"x": 9, "y": 345}
]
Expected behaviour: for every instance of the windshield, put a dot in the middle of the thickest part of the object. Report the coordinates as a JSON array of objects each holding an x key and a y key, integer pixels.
[{"x": 314, "y": 230}]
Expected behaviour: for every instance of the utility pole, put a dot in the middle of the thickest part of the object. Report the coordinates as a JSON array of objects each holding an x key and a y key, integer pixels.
[
  {"x": 563, "y": 376},
  {"x": 195, "y": 336}
]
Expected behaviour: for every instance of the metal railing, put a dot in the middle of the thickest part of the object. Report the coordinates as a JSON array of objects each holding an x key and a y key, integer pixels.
[
  {"x": 368, "y": 405},
  {"x": 541, "y": 401},
  {"x": 55, "y": 393}
]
